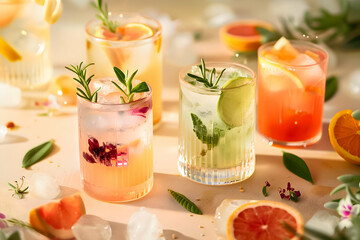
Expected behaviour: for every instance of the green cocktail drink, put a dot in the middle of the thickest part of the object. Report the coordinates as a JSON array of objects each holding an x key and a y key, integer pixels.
[{"x": 217, "y": 123}]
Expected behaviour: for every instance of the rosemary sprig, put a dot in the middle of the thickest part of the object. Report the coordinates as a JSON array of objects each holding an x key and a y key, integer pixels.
[
  {"x": 17, "y": 188},
  {"x": 84, "y": 82},
  {"x": 103, "y": 15},
  {"x": 207, "y": 80},
  {"x": 127, "y": 82}
]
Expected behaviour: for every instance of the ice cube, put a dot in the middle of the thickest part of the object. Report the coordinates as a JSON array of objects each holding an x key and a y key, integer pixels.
[
  {"x": 144, "y": 226},
  {"x": 24, "y": 233},
  {"x": 10, "y": 96},
  {"x": 323, "y": 222},
  {"x": 3, "y": 132},
  {"x": 303, "y": 59},
  {"x": 25, "y": 42},
  {"x": 222, "y": 214},
  {"x": 91, "y": 227},
  {"x": 44, "y": 186}
]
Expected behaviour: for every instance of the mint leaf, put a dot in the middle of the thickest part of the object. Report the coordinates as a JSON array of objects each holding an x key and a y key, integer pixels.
[
  {"x": 331, "y": 87},
  {"x": 356, "y": 114},
  {"x": 37, "y": 153},
  {"x": 141, "y": 87},
  {"x": 202, "y": 133},
  {"x": 185, "y": 202},
  {"x": 267, "y": 35},
  {"x": 297, "y": 166}
]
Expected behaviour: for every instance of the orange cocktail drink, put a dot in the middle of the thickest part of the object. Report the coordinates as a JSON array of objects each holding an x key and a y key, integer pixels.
[
  {"x": 135, "y": 44},
  {"x": 291, "y": 90}
]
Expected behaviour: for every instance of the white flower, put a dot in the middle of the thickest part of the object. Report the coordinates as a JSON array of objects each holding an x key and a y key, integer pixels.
[{"x": 347, "y": 210}]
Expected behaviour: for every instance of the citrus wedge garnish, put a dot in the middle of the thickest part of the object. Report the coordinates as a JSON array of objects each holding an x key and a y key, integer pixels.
[
  {"x": 235, "y": 100},
  {"x": 278, "y": 77},
  {"x": 8, "y": 51},
  {"x": 264, "y": 220},
  {"x": 283, "y": 49},
  {"x": 53, "y": 10},
  {"x": 344, "y": 133},
  {"x": 134, "y": 31}
]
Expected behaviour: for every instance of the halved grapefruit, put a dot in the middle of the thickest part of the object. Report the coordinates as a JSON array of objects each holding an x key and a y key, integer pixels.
[
  {"x": 264, "y": 220},
  {"x": 242, "y": 36},
  {"x": 55, "y": 219}
]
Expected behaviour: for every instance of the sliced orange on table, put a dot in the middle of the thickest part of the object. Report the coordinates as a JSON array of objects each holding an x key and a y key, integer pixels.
[
  {"x": 344, "y": 133},
  {"x": 264, "y": 220}
]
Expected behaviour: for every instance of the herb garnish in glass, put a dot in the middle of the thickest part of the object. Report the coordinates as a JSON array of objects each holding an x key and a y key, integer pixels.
[{"x": 115, "y": 135}]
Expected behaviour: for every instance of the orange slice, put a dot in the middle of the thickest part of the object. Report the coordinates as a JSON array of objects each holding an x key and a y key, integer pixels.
[
  {"x": 8, "y": 51},
  {"x": 284, "y": 50},
  {"x": 263, "y": 220},
  {"x": 344, "y": 133},
  {"x": 242, "y": 35},
  {"x": 277, "y": 78},
  {"x": 55, "y": 219},
  {"x": 134, "y": 31}
]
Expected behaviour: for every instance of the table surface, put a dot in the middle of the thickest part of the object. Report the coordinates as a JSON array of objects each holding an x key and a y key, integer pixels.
[{"x": 63, "y": 163}]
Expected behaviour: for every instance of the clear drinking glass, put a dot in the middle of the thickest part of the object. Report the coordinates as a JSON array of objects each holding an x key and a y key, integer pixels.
[
  {"x": 217, "y": 126},
  {"x": 291, "y": 94},
  {"x": 116, "y": 146},
  {"x": 145, "y": 54},
  {"x": 24, "y": 44}
]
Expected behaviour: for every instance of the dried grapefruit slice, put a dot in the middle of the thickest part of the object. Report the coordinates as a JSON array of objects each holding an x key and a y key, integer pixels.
[
  {"x": 344, "y": 133},
  {"x": 55, "y": 219},
  {"x": 134, "y": 31},
  {"x": 263, "y": 220}
]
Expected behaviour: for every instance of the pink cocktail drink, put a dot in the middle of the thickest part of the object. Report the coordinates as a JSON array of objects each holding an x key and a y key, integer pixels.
[
  {"x": 291, "y": 91},
  {"x": 116, "y": 153}
]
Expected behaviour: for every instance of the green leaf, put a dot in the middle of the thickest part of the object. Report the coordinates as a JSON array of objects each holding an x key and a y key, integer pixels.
[
  {"x": 129, "y": 81},
  {"x": 141, "y": 87},
  {"x": 201, "y": 132},
  {"x": 185, "y": 202},
  {"x": 11, "y": 185},
  {"x": 264, "y": 191},
  {"x": 351, "y": 179},
  {"x": 333, "y": 205},
  {"x": 331, "y": 87},
  {"x": 293, "y": 196},
  {"x": 2, "y": 235},
  {"x": 356, "y": 114},
  {"x": 267, "y": 35},
  {"x": 14, "y": 236},
  {"x": 338, "y": 189},
  {"x": 316, "y": 233},
  {"x": 297, "y": 166},
  {"x": 37, "y": 153},
  {"x": 120, "y": 75}
]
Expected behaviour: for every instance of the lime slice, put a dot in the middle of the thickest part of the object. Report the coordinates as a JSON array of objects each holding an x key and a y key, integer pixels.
[
  {"x": 236, "y": 99},
  {"x": 277, "y": 78},
  {"x": 8, "y": 51}
]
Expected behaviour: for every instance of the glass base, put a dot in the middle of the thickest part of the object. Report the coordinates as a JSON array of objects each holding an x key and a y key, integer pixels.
[
  {"x": 118, "y": 195},
  {"x": 224, "y": 176},
  {"x": 285, "y": 144}
]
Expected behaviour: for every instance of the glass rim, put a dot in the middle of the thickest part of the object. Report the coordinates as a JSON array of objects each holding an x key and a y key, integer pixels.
[
  {"x": 156, "y": 35},
  {"x": 115, "y": 107},
  {"x": 201, "y": 89},
  {"x": 299, "y": 43}
]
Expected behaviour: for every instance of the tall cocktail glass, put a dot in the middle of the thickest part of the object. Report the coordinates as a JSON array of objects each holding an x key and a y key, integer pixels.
[
  {"x": 217, "y": 125},
  {"x": 116, "y": 153},
  {"x": 25, "y": 42},
  {"x": 128, "y": 51},
  {"x": 291, "y": 93}
]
